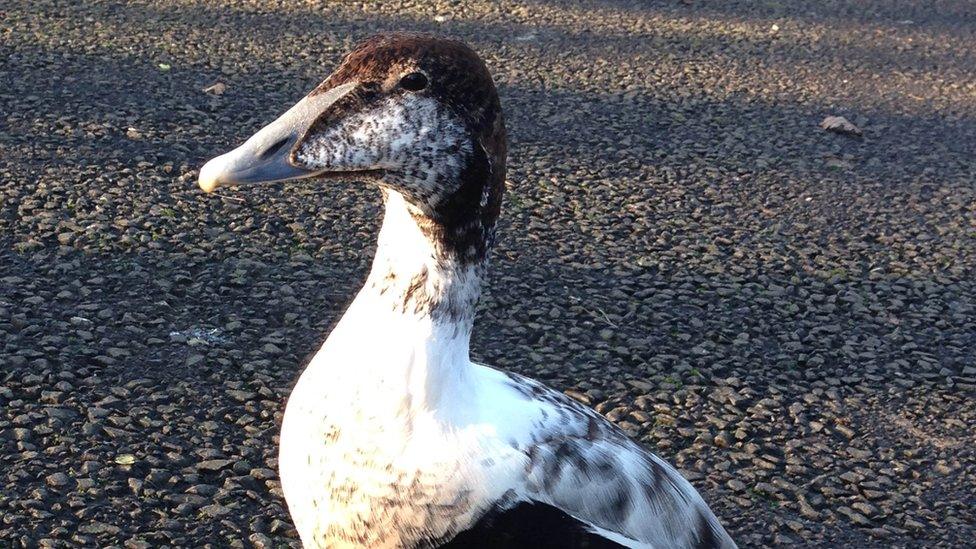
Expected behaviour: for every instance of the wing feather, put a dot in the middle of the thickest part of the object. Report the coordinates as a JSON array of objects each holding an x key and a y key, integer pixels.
[{"x": 584, "y": 465}]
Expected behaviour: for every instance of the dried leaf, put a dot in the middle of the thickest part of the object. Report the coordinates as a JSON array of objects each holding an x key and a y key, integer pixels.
[
  {"x": 125, "y": 459},
  {"x": 841, "y": 125},
  {"x": 217, "y": 88}
]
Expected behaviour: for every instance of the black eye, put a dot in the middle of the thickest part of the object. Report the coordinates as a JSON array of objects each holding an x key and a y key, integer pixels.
[{"x": 414, "y": 81}]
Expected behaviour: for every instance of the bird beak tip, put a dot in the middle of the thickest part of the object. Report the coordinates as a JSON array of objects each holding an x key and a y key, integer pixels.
[
  {"x": 265, "y": 156},
  {"x": 209, "y": 178}
]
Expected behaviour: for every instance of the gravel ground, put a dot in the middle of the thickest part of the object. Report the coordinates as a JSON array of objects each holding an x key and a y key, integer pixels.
[{"x": 787, "y": 314}]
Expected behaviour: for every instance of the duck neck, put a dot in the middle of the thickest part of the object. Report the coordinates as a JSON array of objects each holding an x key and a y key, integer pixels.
[
  {"x": 418, "y": 305},
  {"x": 418, "y": 276}
]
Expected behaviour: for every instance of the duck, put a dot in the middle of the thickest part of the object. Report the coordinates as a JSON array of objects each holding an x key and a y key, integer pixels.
[{"x": 392, "y": 435}]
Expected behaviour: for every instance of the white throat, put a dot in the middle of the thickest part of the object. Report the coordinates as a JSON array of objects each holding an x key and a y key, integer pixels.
[{"x": 404, "y": 340}]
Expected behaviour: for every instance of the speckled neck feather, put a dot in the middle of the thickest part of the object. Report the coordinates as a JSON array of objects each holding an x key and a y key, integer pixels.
[{"x": 424, "y": 269}]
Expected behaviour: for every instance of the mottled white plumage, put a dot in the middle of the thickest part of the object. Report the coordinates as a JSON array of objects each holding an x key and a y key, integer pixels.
[
  {"x": 392, "y": 406},
  {"x": 392, "y": 437},
  {"x": 403, "y": 135}
]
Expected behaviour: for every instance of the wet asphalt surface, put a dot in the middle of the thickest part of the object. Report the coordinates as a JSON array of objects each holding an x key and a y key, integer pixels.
[{"x": 786, "y": 314}]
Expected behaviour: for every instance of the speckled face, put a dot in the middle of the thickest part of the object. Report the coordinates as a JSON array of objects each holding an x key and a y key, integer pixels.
[
  {"x": 422, "y": 117},
  {"x": 416, "y": 114},
  {"x": 420, "y": 146}
]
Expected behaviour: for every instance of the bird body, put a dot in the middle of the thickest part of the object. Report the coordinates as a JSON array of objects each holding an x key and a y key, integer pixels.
[{"x": 392, "y": 437}]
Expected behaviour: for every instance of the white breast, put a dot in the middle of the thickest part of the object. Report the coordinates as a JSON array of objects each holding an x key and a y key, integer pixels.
[{"x": 369, "y": 453}]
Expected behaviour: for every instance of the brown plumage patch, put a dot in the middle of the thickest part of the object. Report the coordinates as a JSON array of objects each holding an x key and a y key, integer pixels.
[{"x": 458, "y": 77}]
